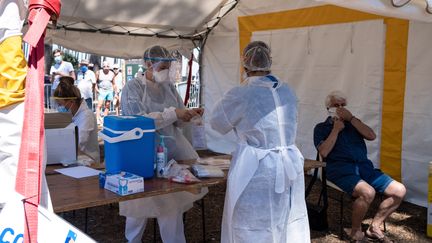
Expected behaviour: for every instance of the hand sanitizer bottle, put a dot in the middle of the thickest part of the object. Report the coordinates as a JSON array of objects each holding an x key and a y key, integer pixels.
[{"x": 161, "y": 159}]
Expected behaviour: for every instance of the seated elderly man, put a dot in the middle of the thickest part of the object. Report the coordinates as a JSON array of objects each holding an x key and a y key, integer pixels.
[{"x": 340, "y": 140}]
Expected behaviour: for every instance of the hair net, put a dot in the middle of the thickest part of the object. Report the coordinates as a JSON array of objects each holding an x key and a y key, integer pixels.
[
  {"x": 256, "y": 56},
  {"x": 158, "y": 54}
]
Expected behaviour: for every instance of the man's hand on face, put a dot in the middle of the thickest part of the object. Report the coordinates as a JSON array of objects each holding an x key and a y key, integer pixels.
[
  {"x": 344, "y": 114},
  {"x": 338, "y": 124}
]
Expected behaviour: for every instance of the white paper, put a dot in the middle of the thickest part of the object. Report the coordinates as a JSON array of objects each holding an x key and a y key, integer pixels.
[{"x": 78, "y": 172}]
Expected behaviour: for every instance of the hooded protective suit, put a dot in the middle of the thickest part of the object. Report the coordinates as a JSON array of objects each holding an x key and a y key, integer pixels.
[
  {"x": 265, "y": 200},
  {"x": 159, "y": 101}
]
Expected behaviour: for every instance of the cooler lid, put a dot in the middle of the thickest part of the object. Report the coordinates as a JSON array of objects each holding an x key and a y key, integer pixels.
[{"x": 125, "y": 123}]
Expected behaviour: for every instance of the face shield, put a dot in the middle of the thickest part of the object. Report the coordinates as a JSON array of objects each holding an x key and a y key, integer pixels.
[
  {"x": 164, "y": 67},
  {"x": 61, "y": 104}
]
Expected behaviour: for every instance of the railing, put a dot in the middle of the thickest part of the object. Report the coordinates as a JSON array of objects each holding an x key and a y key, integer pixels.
[{"x": 194, "y": 101}]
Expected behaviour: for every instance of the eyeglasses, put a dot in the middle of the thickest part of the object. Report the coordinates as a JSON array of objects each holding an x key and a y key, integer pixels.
[
  {"x": 115, "y": 68},
  {"x": 339, "y": 105}
]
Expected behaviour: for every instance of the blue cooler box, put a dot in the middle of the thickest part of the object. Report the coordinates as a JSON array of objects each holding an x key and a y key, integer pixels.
[{"x": 129, "y": 144}]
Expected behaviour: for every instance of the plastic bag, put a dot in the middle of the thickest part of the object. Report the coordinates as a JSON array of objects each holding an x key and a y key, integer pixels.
[
  {"x": 178, "y": 173},
  {"x": 207, "y": 171},
  {"x": 198, "y": 133}
]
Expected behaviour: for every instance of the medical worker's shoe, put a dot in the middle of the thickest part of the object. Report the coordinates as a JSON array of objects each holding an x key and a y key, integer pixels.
[{"x": 400, "y": 3}]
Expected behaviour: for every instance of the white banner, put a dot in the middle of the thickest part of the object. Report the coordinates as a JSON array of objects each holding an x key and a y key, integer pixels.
[{"x": 51, "y": 228}]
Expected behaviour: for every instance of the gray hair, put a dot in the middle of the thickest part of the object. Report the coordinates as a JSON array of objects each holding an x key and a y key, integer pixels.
[{"x": 337, "y": 95}]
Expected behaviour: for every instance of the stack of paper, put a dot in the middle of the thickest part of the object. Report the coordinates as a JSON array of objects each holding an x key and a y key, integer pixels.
[{"x": 223, "y": 164}]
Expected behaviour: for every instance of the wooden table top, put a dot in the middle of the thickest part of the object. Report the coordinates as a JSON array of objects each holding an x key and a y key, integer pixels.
[{"x": 68, "y": 193}]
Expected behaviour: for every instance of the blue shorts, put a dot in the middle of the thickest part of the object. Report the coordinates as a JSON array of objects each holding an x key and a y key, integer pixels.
[
  {"x": 105, "y": 95},
  {"x": 348, "y": 175}
]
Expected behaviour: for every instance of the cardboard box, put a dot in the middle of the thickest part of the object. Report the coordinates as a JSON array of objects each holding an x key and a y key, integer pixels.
[
  {"x": 61, "y": 143},
  {"x": 57, "y": 119},
  {"x": 123, "y": 183}
]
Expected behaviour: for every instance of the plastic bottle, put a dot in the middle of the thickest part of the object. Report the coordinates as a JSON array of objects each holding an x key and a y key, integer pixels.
[{"x": 161, "y": 157}]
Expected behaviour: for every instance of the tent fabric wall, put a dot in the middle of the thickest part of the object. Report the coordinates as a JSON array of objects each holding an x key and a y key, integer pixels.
[
  {"x": 316, "y": 60},
  {"x": 417, "y": 129},
  {"x": 364, "y": 67}
]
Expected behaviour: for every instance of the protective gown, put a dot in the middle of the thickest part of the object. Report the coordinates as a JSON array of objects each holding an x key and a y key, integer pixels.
[
  {"x": 159, "y": 101},
  {"x": 87, "y": 130},
  {"x": 264, "y": 201}
]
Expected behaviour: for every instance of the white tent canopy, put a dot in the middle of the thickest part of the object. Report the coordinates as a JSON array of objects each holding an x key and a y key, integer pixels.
[
  {"x": 313, "y": 51},
  {"x": 124, "y": 28}
]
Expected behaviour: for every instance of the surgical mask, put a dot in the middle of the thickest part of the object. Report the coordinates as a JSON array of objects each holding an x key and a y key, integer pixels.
[
  {"x": 332, "y": 112},
  {"x": 161, "y": 76},
  {"x": 83, "y": 69},
  {"x": 58, "y": 59},
  {"x": 62, "y": 109}
]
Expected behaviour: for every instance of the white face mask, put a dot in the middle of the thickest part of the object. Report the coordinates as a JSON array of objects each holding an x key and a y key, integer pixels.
[
  {"x": 161, "y": 76},
  {"x": 332, "y": 112}
]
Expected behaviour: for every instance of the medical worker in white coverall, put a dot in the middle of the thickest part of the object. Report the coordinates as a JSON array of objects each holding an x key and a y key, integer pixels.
[
  {"x": 264, "y": 201},
  {"x": 152, "y": 94}
]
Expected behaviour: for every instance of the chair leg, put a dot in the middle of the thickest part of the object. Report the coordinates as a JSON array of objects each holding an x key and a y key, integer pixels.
[
  {"x": 384, "y": 222},
  {"x": 341, "y": 215},
  {"x": 154, "y": 229},
  {"x": 203, "y": 220},
  {"x": 86, "y": 220}
]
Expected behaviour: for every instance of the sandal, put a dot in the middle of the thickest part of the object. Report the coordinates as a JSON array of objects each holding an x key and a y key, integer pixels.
[
  {"x": 374, "y": 238},
  {"x": 363, "y": 240}
]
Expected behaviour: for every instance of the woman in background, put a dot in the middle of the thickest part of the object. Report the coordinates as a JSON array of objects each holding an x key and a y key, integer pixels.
[{"x": 68, "y": 97}]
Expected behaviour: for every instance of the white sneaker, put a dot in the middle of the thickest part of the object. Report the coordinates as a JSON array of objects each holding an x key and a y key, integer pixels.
[{"x": 399, "y": 3}]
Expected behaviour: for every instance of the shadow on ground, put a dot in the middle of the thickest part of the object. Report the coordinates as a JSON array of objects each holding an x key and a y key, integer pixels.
[{"x": 408, "y": 224}]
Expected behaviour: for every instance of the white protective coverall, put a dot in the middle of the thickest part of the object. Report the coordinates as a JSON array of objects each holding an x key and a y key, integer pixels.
[
  {"x": 264, "y": 201},
  {"x": 159, "y": 101},
  {"x": 85, "y": 120}
]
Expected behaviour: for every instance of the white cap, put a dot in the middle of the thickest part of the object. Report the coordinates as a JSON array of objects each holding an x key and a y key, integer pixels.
[{"x": 115, "y": 65}]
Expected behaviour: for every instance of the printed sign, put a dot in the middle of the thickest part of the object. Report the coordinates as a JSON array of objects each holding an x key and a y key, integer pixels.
[{"x": 51, "y": 228}]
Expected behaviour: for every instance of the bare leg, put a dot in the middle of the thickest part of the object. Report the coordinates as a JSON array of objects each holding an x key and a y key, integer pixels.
[
  {"x": 107, "y": 107},
  {"x": 117, "y": 105},
  {"x": 364, "y": 194},
  {"x": 98, "y": 109},
  {"x": 395, "y": 192}
]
